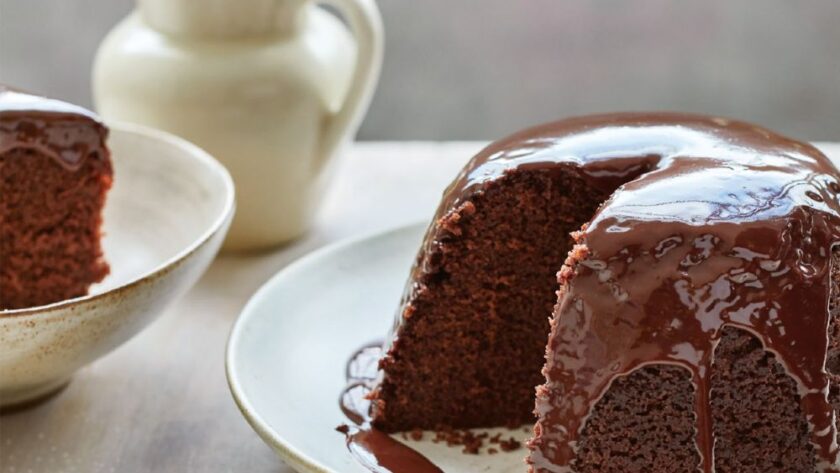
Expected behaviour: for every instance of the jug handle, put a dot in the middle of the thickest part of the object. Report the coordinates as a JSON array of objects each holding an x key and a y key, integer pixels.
[{"x": 366, "y": 26}]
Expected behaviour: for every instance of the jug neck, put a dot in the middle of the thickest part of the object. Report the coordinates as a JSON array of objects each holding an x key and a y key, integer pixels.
[{"x": 222, "y": 19}]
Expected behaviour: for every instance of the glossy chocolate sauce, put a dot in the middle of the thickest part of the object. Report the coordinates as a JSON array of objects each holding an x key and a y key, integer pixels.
[
  {"x": 715, "y": 223},
  {"x": 66, "y": 133},
  {"x": 728, "y": 225},
  {"x": 375, "y": 450}
]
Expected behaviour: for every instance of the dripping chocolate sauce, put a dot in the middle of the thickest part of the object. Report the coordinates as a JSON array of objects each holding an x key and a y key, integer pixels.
[{"x": 374, "y": 449}]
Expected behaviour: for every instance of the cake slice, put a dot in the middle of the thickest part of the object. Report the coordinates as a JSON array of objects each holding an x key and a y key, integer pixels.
[{"x": 55, "y": 171}]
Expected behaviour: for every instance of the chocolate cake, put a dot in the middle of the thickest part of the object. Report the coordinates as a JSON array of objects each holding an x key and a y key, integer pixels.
[
  {"x": 689, "y": 323},
  {"x": 55, "y": 171}
]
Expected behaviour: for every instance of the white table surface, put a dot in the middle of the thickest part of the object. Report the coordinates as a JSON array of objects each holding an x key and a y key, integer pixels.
[{"x": 160, "y": 402}]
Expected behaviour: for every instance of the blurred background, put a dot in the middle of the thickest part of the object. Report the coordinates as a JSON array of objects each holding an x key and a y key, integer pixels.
[{"x": 479, "y": 69}]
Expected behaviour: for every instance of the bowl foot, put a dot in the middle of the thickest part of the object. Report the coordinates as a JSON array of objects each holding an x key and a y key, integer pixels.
[{"x": 13, "y": 400}]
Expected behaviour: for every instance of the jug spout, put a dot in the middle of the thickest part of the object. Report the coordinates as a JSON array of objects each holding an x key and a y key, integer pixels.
[{"x": 224, "y": 19}]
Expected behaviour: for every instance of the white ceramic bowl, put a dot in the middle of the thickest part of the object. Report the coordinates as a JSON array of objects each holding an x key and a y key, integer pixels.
[{"x": 165, "y": 218}]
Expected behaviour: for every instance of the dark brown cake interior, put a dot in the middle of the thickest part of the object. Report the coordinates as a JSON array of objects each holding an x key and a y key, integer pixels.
[
  {"x": 473, "y": 355},
  {"x": 645, "y": 421},
  {"x": 50, "y": 219}
]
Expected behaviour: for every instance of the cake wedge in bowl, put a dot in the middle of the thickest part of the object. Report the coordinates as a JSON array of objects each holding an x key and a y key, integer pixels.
[{"x": 163, "y": 222}]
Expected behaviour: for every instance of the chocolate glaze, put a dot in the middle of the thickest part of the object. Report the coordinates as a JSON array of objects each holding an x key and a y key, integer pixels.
[
  {"x": 375, "y": 450},
  {"x": 66, "y": 133},
  {"x": 718, "y": 223},
  {"x": 731, "y": 224}
]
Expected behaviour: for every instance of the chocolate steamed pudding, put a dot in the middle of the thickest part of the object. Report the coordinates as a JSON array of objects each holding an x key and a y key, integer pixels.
[
  {"x": 55, "y": 170},
  {"x": 667, "y": 283}
]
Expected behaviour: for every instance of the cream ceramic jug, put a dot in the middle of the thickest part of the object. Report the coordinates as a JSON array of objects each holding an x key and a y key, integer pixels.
[{"x": 271, "y": 88}]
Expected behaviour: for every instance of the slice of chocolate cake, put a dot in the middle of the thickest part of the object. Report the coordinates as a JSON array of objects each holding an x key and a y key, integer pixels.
[{"x": 55, "y": 171}]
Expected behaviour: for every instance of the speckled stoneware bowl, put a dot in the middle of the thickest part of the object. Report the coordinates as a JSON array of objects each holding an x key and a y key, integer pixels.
[{"x": 165, "y": 218}]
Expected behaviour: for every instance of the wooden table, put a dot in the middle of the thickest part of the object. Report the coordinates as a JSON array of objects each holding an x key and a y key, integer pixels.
[{"x": 160, "y": 402}]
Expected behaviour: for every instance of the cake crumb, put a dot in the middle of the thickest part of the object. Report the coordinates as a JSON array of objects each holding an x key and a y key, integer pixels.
[
  {"x": 471, "y": 449},
  {"x": 510, "y": 445},
  {"x": 416, "y": 435},
  {"x": 474, "y": 443},
  {"x": 343, "y": 428}
]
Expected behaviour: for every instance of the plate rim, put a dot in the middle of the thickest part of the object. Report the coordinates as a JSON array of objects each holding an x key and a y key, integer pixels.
[{"x": 288, "y": 452}]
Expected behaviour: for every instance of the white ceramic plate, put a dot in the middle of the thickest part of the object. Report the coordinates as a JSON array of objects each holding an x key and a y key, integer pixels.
[{"x": 288, "y": 350}]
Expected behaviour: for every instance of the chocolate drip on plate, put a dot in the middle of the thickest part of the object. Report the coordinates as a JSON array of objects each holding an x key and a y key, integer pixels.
[{"x": 375, "y": 450}]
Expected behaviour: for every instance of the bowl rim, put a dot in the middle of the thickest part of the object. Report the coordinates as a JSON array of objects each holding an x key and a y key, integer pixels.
[{"x": 226, "y": 213}]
